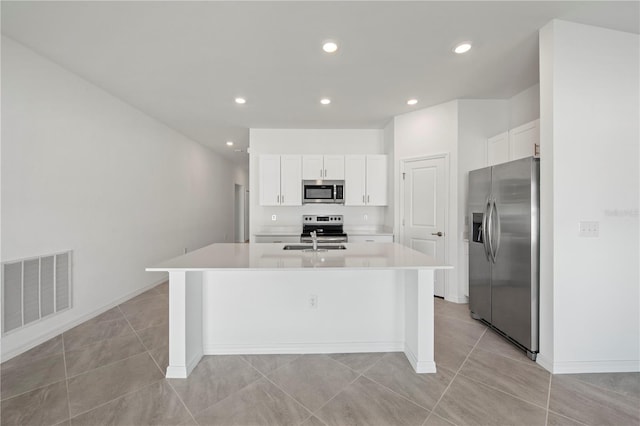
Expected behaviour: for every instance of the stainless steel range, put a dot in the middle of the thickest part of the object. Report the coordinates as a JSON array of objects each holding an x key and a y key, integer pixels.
[{"x": 328, "y": 229}]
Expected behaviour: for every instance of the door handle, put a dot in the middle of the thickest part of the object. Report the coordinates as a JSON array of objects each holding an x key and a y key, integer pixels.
[
  {"x": 485, "y": 231},
  {"x": 439, "y": 234},
  {"x": 489, "y": 236}
]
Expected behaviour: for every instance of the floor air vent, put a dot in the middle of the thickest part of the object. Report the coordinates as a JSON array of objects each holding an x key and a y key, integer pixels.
[{"x": 35, "y": 288}]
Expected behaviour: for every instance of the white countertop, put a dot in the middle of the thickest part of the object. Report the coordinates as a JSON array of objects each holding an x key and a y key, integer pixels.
[{"x": 273, "y": 257}]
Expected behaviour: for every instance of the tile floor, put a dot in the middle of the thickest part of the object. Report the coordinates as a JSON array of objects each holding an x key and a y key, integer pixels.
[{"x": 109, "y": 370}]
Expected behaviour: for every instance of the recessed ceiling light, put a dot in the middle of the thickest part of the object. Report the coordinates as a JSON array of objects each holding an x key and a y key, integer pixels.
[
  {"x": 412, "y": 101},
  {"x": 462, "y": 47},
  {"x": 241, "y": 100},
  {"x": 229, "y": 143},
  {"x": 325, "y": 101},
  {"x": 330, "y": 46}
]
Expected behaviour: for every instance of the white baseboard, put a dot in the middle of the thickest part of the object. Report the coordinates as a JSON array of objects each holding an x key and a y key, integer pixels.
[
  {"x": 457, "y": 299},
  {"x": 576, "y": 367},
  {"x": 616, "y": 366},
  {"x": 419, "y": 366},
  {"x": 302, "y": 348},
  {"x": 50, "y": 334}
]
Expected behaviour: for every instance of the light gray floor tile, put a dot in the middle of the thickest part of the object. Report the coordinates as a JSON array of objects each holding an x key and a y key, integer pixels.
[
  {"x": 95, "y": 387},
  {"x": 38, "y": 373},
  {"x": 161, "y": 357},
  {"x": 435, "y": 420},
  {"x": 155, "y": 337},
  {"x": 149, "y": 318},
  {"x": 395, "y": 372},
  {"x": 44, "y": 406},
  {"x": 152, "y": 292},
  {"x": 313, "y": 421},
  {"x": 162, "y": 288},
  {"x": 558, "y": 420},
  {"x": 43, "y": 350},
  {"x": 524, "y": 380},
  {"x": 260, "y": 403},
  {"x": 470, "y": 403},
  {"x": 145, "y": 304},
  {"x": 459, "y": 311},
  {"x": 95, "y": 331},
  {"x": 492, "y": 342},
  {"x": 213, "y": 379},
  {"x": 102, "y": 353},
  {"x": 625, "y": 383},
  {"x": 450, "y": 352},
  {"x": 268, "y": 362},
  {"x": 313, "y": 379},
  {"x": 156, "y": 404},
  {"x": 467, "y": 332},
  {"x": 367, "y": 403},
  {"x": 591, "y": 404},
  {"x": 358, "y": 362}
]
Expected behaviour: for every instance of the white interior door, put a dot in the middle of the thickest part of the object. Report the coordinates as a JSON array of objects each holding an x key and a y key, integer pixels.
[{"x": 424, "y": 209}]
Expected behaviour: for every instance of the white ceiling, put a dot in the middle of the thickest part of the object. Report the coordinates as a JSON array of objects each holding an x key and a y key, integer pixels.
[{"x": 185, "y": 62}]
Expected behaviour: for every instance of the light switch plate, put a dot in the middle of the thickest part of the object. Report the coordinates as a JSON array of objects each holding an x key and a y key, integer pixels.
[{"x": 589, "y": 229}]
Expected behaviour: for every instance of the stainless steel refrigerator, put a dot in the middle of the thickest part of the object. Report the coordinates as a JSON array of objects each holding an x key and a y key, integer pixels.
[{"x": 503, "y": 212}]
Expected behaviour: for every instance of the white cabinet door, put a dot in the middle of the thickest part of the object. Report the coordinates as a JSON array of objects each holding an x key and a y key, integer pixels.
[
  {"x": 269, "y": 180},
  {"x": 498, "y": 149},
  {"x": 290, "y": 180},
  {"x": 523, "y": 140},
  {"x": 354, "y": 180},
  {"x": 312, "y": 167},
  {"x": 333, "y": 167},
  {"x": 376, "y": 181}
]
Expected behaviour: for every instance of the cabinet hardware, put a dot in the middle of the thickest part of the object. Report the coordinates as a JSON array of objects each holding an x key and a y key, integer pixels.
[
  {"x": 321, "y": 173},
  {"x": 325, "y": 172},
  {"x": 282, "y": 198},
  {"x": 278, "y": 199},
  {"x": 368, "y": 199},
  {"x": 363, "y": 199}
]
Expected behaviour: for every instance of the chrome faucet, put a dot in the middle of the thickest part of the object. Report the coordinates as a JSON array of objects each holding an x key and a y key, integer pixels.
[{"x": 314, "y": 240}]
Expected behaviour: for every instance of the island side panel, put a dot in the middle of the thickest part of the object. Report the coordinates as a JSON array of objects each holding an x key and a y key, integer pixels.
[
  {"x": 271, "y": 311},
  {"x": 419, "y": 324},
  {"x": 185, "y": 323}
]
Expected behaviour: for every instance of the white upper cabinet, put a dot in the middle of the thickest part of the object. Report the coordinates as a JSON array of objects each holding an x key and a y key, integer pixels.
[
  {"x": 327, "y": 167},
  {"x": 498, "y": 149},
  {"x": 524, "y": 141},
  {"x": 521, "y": 142},
  {"x": 280, "y": 180},
  {"x": 365, "y": 182}
]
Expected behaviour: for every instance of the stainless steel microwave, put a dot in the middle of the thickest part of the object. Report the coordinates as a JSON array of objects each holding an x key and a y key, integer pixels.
[{"x": 323, "y": 191}]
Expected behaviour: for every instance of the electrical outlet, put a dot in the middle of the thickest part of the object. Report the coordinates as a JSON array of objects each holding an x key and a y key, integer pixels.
[
  {"x": 589, "y": 229},
  {"x": 274, "y": 217},
  {"x": 313, "y": 301},
  {"x": 366, "y": 217}
]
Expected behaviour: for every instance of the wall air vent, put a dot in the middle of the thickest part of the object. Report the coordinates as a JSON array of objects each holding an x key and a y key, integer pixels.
[{"x": 34, "y": 288}]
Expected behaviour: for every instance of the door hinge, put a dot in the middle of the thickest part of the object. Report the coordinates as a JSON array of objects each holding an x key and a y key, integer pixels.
[{"x": 403, "y": 174}]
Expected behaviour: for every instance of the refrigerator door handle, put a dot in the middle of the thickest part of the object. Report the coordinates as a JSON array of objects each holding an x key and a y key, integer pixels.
[
  {"x": 485, "y": 229},
  {"x": 489, "y": 235},
  {"x": 498, "y": 230}
]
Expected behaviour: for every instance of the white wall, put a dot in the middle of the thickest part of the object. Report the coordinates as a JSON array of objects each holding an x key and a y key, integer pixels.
[
  {"x": 524, "y": 107},
  {"x": 82, "y": 170},
  {"x": 478, "y": 120},
  {"x": 590, "y": 289},
  {"x": 310, "y": 141},
  {"x": 423, "y": 133}
]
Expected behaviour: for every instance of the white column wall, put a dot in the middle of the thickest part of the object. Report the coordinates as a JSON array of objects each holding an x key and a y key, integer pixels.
[
  {"x": 590, "y": 293},
  {"x": 84, "y": 171}
]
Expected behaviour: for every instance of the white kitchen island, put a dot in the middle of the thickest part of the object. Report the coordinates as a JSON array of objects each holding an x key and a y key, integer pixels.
[{"x": 260, "y": 299}]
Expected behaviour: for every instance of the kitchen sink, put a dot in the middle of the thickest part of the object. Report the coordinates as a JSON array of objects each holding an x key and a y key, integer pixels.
[{"x": 308, "y": 247}]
